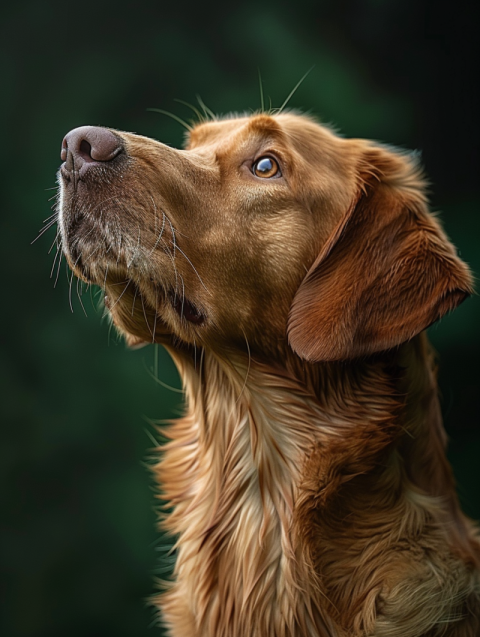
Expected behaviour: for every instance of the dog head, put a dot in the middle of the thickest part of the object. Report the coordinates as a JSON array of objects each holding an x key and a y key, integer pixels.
[{"x": 264, "y": 232}]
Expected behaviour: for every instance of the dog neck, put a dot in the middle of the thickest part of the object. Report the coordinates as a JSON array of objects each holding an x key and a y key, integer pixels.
[
  {"x": 236, "y": 473},
  {"x": 261, "y": 451}
]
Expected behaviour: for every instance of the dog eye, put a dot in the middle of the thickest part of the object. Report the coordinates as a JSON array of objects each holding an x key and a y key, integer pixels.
[{"x": 266, "y": 167}]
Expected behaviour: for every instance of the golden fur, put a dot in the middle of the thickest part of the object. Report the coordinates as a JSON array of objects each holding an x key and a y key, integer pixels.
[{"x": 308, "y": 482}]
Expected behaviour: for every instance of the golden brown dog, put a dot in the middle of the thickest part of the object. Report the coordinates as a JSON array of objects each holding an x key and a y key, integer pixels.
[{"x": 290, "y": 273}]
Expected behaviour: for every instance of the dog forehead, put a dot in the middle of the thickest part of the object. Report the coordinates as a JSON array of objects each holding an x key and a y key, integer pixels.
[{"x": 232, "y": 132}]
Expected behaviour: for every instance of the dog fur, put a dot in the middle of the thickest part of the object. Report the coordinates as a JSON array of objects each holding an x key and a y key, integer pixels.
[{"x": 309, "y": 490}]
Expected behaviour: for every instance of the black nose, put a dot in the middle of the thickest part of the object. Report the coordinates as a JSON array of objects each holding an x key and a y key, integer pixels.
[{"x": 89, "y": 144}]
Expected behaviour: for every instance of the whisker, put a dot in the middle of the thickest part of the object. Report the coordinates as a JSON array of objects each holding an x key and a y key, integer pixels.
[
  {"x": 193, "y": 268},
  {"x": 175, "y": 248},
  {"x": 293, "y": 91},
  {"x": 118, "y": 298},
  {"x": 155, "y": 319},
  {"x": 155, "y": 377},
  {"x": 145, "y": 315},
  {"x": 55, "y": 259},
  {"x": 71, "y": 281},
  {"x": 183, "y": 294},
  {"x": 55, "y": 241},
  {"x": 79, "y": 282},
  {"x": 105, "y": 280},
  {"x": 262, "y": 103},
  {"x": 205, "y": 108},
  {"x": 161, "y": 230},
  {"x": 173, "y": 116},
  {"x": 134, "y": 299},
  {"x": 169, "y": 254},
  {"x": 43, "y": 230},
  {"x": 58, "y": 268},
  {"x": 201, "y": 117},
  {"x": 173, "y": 237},
  {"x": 70, "y": 292}
]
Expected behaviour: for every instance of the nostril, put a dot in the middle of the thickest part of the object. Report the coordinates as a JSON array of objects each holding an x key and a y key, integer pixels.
[{"x": 85, "y": 150}]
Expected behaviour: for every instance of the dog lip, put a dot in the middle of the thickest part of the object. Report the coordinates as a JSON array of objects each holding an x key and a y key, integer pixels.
[
  {"x": 70, "y": 172},
  {"x": 185, "y": 309}
]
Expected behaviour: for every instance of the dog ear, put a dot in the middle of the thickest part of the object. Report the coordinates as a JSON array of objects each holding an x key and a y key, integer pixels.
[{"x": 386, "y": 273}]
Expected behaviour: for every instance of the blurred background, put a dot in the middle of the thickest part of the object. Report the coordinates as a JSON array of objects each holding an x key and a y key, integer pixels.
[{"x": 78, "y": 548}]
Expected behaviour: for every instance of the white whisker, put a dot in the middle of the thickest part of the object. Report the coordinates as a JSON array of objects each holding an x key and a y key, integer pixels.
[
  {"x": 145, "y": 316},
  {"x": 79, "y": 283},
  {"x": 118, "y": 298},
  {"x": 43, "y": 230},
  {"x": 58, "y": 268}
]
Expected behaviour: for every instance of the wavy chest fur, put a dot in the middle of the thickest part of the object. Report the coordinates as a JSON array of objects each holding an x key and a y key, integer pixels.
[{"x": 257, "y": 472}]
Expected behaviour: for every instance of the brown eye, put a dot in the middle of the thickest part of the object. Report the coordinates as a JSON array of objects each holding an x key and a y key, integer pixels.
[{"x": 266, "y": 167}]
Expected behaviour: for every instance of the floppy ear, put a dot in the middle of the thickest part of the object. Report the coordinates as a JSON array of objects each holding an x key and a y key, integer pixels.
[{"x": 386, "y": 273}]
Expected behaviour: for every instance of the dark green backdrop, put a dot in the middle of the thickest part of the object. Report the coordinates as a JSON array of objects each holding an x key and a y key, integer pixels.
[{"x": 78, "y": 542}]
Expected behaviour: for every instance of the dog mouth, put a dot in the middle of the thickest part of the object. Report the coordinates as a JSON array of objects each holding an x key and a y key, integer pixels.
[
  {"x": 186, "y": 309},
  {"x": 100, "y": 251},
  {"x": 94, "y": 244},
  {"x": 94, "y": 158},
  {"x": 102, "y": 239},
  {"x": 109, "y": 227},
  {"x": 107, "y": 243}
]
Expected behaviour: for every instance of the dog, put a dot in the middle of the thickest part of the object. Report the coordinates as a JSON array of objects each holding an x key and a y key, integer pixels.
[{"x": 291, "y": 274}]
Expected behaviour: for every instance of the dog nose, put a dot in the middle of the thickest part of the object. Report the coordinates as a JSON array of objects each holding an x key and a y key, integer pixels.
[{"x": 89, "y": 144}]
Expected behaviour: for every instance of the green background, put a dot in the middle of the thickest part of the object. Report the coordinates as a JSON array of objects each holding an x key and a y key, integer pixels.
[{"x": 78, "y": 545}]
